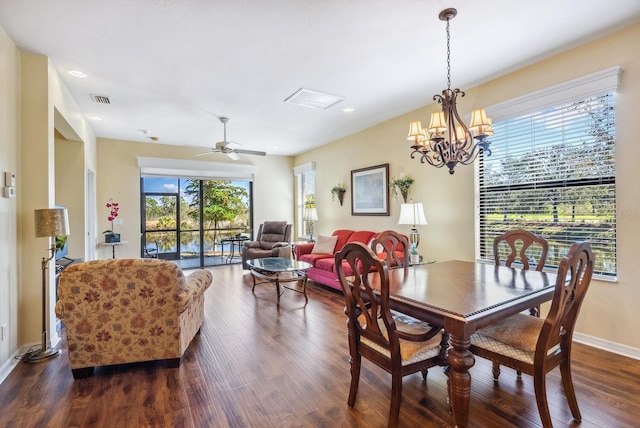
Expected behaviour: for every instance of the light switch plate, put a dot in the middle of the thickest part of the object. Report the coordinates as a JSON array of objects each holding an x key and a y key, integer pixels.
[
  {"x": 9, "y": 192},
  {"x": 10, "y": 179}
]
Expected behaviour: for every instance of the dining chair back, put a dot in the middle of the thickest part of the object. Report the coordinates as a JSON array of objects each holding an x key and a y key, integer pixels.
[
  {"x": 521, "y": 246},
  {"x": 393, "y": 246},
  {"x": 397, "y": 343},
  {"x": 535, "y": 345}
]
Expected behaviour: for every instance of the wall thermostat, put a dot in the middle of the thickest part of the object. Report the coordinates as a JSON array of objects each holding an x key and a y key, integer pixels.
[
  {"x": 10, "y": 179},
  {"x": 9, "y": 192}
]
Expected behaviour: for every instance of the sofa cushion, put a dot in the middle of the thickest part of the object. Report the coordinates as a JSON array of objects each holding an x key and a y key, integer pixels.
[
  {"x": 363, "y": 236},
  {"x": 329, "y": 264},
  {"x": 343, "y": 235},
  {"x": 324, "y": 245},
  {"x": 313, "y": 258}
]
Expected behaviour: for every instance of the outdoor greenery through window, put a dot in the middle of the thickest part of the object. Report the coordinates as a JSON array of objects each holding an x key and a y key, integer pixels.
[
  {"x": 185, "y": 224},
  {"x": 552, "y": 172}
]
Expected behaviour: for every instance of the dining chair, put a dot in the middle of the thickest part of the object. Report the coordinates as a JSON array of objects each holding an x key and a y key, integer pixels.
[
  {"x": 535, "y": 345},
  {"x": 521, "y": 246},
  {"x": 394, "y": 247},
  {"x": 400, "y": 347}
]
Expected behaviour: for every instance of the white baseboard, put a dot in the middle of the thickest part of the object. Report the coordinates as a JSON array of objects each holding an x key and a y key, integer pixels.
[
  {"x": 7, "y": 367},
  {"x": 606, "y": 345}
]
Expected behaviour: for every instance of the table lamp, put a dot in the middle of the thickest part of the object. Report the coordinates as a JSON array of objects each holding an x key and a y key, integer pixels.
[
  {"x": 310, "y": 215},
  {"x": 50, "y": 222},
  {"x": 413, "y": 213}
]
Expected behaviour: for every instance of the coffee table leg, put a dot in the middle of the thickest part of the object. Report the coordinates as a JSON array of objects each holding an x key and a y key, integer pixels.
[
  {"x": 254, "y": 280},
  {"x": 304, "y": 287},
  {"x": 277, "y": 291}
]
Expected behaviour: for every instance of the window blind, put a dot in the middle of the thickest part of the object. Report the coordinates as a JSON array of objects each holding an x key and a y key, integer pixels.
[{"x": 552, "y": 172}]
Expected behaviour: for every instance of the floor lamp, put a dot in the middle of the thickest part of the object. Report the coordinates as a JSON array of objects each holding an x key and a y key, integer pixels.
[{"x": 50, "y": 222}]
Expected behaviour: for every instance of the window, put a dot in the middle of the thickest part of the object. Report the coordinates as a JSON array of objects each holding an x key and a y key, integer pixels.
[
  {"x": 552, "y": 172},
  {"x": 305, "y": 184}
]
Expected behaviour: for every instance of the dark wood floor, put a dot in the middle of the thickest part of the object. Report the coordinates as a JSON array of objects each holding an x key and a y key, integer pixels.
[{"x": 256, "y": 366}]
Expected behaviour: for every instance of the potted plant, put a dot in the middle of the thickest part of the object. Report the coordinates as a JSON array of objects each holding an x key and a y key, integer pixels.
[
  {"x": 109, "y": 235},
  {"x": 338, "y": 191},
  {"x": 401, "y": 185}
]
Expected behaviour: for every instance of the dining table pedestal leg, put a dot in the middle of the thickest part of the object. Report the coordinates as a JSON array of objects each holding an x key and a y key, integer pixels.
[{"x": 460, "y": 360}]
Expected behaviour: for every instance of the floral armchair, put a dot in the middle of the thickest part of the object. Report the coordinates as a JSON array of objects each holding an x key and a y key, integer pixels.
[{"x": 120, "y": 311}]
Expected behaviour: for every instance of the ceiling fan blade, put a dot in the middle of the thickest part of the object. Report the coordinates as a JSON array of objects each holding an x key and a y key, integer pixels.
[
  {"x": 251, "y": 152},
  {"x": 205, "y": 153},
  {"x": 232, "y": 145},
  {"x": 233, "y": 155}
]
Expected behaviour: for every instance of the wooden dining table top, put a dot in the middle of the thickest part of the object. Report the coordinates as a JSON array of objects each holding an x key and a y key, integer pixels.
[{"x": 467, "y": 289}]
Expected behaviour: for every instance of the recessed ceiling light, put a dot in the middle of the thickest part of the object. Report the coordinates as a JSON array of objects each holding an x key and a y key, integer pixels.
[
  {"x": 276, "y": 147},
  {"x": 347, "y": 109},
  {"x": 77, "y": 73}
]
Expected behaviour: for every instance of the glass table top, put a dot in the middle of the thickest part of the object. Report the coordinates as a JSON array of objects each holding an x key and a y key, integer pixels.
[{"x": 278, "y": 264}]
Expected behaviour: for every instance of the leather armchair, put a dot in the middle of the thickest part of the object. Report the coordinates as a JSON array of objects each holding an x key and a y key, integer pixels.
[{"x": 273, "y": 240}]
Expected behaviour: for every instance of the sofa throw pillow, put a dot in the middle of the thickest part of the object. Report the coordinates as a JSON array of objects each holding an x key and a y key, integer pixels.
[{"x": 324, "y": 244}]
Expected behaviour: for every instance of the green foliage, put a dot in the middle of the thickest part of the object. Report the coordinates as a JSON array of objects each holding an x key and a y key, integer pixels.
[
  {"x": 60, "y": 241},
  {"x": 222, "y": 201},
  {"x": 400, "y": 185},
  {"x": 335, "y": 190}
]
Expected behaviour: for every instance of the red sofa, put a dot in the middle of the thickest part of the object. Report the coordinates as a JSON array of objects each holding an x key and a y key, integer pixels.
[{"x": 323, "y": 270}]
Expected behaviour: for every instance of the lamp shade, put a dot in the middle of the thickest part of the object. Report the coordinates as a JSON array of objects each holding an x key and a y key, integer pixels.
[
  {"x": 51, "y": 222},
  {"x": 412, "y": 213},
  {"x": 310, "y": 214}
]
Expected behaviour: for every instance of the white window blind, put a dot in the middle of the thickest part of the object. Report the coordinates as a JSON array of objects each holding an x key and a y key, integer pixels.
[
  {"x": 305, "y": 182},
  {"x": 552, "y": 172}
]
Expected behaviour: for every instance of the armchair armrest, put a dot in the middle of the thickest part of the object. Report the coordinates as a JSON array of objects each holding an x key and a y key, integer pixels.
[
  {"x": 281, "y": 249},
  {"x": 252, "y": 244},
  {"x": 303, "y": 249},
  {"x": 195, "y": 284}
]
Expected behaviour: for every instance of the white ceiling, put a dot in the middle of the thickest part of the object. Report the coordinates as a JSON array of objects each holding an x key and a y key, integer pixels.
[{"x": 172, "y": 67}]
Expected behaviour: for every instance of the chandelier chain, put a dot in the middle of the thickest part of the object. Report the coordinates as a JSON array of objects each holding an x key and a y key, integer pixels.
[{"x": 448, "y": 56}]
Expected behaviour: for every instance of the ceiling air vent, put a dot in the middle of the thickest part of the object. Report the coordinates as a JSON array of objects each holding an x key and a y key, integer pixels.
[
  {"x": 100, "y": 99},
  {"x": 314, "y": 99}
]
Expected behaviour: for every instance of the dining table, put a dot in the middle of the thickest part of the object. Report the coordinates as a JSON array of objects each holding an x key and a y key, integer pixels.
[{"x": 462, "y": 297}]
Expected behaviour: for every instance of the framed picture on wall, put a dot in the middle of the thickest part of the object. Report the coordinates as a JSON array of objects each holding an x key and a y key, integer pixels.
[{"x": 370, "y": 195}]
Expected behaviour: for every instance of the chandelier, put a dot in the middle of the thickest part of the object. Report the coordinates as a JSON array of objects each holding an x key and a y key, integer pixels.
[{"x": 447, "y": 140}]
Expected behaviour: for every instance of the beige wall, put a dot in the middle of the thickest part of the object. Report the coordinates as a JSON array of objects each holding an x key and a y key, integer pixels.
[
  {"x": 33, "y": 101},
  {"x": 610, "y": 309},
  {"x": 119, "y": 178},
  {"x": 9, "y": 161}
]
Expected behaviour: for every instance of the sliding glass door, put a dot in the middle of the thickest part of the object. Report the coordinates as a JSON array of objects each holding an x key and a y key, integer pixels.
[{"x": 188, "y": 220}]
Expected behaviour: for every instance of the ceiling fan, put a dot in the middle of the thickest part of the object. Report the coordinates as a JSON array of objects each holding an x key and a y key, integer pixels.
[{"x": 229, "y": 148}]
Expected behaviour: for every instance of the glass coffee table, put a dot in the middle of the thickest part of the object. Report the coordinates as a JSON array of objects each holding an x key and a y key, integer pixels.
[{"x": 279, "y": 270}]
